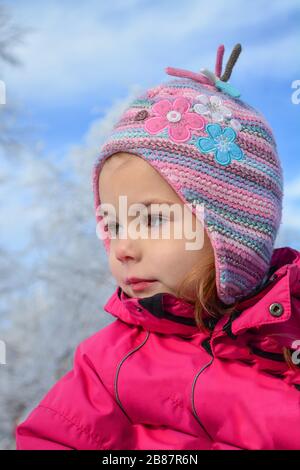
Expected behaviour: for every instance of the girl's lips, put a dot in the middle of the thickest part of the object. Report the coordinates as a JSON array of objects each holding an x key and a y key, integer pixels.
[{"x": 137, "y": 286}]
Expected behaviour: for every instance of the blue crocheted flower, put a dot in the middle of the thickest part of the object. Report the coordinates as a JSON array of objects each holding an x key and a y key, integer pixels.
[{"x": 221, "y": 143}]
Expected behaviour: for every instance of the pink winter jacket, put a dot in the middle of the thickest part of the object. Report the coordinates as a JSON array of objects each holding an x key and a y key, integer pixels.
[{"x": 152, "y": 380}]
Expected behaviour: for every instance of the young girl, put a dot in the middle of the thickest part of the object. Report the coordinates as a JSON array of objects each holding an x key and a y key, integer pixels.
[{"x": 203, "y": 351}]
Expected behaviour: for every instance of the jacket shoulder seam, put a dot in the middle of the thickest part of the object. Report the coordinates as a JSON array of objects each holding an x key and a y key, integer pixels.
[{"x": 76, "y": 425}]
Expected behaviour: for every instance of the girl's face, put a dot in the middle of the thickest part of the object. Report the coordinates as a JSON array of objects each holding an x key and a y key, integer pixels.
[{"x": 167, "y": 260}]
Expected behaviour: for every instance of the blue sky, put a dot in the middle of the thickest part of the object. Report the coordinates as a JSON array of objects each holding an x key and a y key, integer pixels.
[{"x": 80, "y": 57}]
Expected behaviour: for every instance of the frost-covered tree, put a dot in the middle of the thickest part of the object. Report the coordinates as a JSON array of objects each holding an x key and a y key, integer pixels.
[{"x": 68, "y": 279}]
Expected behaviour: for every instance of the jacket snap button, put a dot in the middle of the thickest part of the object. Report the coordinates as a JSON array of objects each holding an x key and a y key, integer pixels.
[
  {"x": 139, "y": 309},
  {"x": 276, "y": 309}
]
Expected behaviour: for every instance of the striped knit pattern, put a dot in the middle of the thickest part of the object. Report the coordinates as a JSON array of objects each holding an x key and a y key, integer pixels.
[{"x": 242, "y": 200}]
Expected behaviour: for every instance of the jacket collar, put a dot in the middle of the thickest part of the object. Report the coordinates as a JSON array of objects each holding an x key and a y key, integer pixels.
[
  {"x": 165, "y": 313},
  {"x": 162, "y": 312},
  {"x": 279, "y": 286}
]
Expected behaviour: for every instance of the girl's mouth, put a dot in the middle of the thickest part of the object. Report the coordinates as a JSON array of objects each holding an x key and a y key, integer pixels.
[{"x": 138, "y": 286}]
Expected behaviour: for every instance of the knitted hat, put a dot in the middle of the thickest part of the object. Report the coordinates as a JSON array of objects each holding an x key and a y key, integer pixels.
[{"x": 215, "y": 150}]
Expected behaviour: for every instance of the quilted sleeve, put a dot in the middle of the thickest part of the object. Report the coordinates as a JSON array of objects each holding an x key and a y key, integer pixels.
[{"x": 78, "y": 412}]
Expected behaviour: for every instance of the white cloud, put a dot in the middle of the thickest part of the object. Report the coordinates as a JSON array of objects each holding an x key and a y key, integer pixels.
[{"x": 292, "y": 190}]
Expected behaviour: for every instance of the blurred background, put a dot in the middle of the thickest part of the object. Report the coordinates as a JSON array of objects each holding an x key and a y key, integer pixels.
[{"x": 67, "y": 70}]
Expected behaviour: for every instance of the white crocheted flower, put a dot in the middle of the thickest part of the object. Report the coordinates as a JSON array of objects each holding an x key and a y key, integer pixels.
[{"x": 212, "y": 107}]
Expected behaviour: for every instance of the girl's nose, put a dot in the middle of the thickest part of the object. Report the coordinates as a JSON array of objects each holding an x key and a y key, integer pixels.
[{"x": 127, "y": 249}]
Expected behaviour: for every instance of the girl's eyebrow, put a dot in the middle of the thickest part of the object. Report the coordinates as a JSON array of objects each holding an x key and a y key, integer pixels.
[
  {"x": 155, "y": 201},
  {"x": 148, "y": 202}
]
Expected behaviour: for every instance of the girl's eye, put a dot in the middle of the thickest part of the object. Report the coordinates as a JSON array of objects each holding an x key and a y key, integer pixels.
[
  {"x": 111, "y": 227},
  {"x": 157, "y": 217}
]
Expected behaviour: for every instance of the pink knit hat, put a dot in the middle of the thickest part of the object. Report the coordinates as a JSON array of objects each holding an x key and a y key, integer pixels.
[{"x": 212, "y": 149}]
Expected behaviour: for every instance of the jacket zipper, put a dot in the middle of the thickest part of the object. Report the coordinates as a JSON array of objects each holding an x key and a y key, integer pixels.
[
  {"x": 207, "y": 347},
  {"x": 118, "y": 370}
]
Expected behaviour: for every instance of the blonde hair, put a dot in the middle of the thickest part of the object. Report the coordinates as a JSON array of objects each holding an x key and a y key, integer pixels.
[{"x": 199, "y": 288}]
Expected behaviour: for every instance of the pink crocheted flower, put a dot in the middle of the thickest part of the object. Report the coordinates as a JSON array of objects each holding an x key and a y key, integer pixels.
[{"x": 176, "y": 117}]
